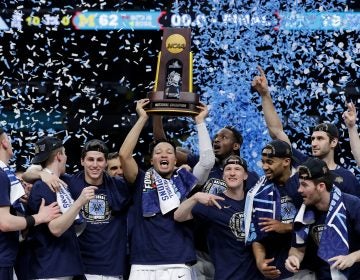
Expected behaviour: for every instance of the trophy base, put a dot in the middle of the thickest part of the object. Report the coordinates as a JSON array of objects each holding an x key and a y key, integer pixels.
[{"x": 185, "y": 105}]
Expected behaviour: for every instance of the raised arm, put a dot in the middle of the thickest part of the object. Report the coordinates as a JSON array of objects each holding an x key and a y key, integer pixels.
[
  {"x": 349, "y": 117},
  {"x": 183, "y": 213},
  {"x": 207, "y": 157},
  {"x": 273, "y": 122},
  {"x": 158, "y": 127},
  {"x": 59, "y": 225},
  {"x": 128, "y": 163}
]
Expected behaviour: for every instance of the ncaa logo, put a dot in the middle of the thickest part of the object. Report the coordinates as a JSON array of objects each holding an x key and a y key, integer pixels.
[{"x": 175, "y": 43}]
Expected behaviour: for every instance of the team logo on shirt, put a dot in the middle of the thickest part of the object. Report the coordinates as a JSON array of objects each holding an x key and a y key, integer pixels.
[
  {"x": 316, "y": 232},
  {"x": 97, "y": 210},
  {"x": 339, "y": 180},
  {"x": 215, "y": 186},
  {"x": 288, "y": 210},
  {"x": 235, "y": 223}
]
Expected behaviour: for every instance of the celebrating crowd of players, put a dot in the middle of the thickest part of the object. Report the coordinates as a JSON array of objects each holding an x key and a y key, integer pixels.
[{"x": 187, "y": 216}]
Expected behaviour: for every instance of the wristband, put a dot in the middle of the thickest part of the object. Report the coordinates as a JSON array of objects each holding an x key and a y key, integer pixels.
[{"x": 30, "y": 221}]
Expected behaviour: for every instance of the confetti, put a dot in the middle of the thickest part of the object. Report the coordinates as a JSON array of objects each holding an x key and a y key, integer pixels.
[{"x": 82, "y": 84}]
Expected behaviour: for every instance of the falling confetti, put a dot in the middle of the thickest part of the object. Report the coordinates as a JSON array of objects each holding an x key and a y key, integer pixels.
[{"x": 81, "y": 84}]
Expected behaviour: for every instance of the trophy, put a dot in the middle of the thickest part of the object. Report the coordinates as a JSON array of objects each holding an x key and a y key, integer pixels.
[{"x": 172, "y": 94}]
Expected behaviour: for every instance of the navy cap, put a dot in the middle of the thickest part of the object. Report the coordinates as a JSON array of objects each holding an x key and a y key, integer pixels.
[
  {"x": 277, "y": 148},
  {"x": 44, "y": 147},
  {"x": 313, "y": 168},
  {"x": 234, "y": 159},
  {"x": 329, "y": 128}
]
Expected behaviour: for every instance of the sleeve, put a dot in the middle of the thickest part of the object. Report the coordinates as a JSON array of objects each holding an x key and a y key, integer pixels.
[
  {"x": 38, "y": 191},
  {"x": 252, "y": 179},
  {"x": 299, "y": 157},
  {"x": 66, "y": 178},
  {"x": 201, "y": 211},
  {"x": 73, "y": 182},
  {"x": 207, "y": 157},
  {"x": 125, "y": 191},
  {"x": 4, "y": 190}
]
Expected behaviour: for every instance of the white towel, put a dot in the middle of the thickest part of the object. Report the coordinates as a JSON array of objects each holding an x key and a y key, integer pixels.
[
  {"x": 16, "y": 188},
  {"x": 168, "y": 199}
]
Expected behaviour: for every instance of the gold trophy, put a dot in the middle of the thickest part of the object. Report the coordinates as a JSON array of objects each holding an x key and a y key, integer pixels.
[{"x": 172, "y": 94}]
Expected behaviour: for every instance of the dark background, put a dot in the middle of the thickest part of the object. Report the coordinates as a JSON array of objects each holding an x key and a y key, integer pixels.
[{"x": 81, "y": 85}]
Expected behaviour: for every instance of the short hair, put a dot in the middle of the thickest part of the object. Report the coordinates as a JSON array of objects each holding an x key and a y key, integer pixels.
[
  {"x": 154, "y": 143},
  {"x": 238, "y": 137},
  {"x": 95, "y": 145},
  {"x": 51, "y": 157},
  {"x": 112, "y": 155}
]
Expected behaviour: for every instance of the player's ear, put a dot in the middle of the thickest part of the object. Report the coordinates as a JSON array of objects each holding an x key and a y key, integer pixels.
[{"x": 236, "y": 146}]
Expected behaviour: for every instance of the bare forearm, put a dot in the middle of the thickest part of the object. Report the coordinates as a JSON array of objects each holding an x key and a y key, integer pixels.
[
  {"x": 356, "y": 255},
  {"x": 287, "y": 227},
  {"x": 128, "y": 163},
  {"x": 59, "y": 225},
  {"x": 158, "y": 128},
  {"x": 128, "y": 146},
  {"x": 259, "y": 252},
  {"x": 10, "y": 222},
  {"x": 32, "y": 174},
  {"x": 183, "y": 213},
  {"x": 355, "y": 143},
  {"x": 13, "y": 223},
  {"x": 297, "y": 252},
  {"x": 272, "y": 119}
]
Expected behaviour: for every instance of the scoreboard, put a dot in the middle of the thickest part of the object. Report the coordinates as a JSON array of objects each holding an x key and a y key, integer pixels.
[{"x": 155, "y": 20}]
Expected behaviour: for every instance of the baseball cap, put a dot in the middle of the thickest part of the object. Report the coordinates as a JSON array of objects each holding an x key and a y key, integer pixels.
[
  {"x": 95, "y": 145},
  {"x": 329, "y": 128},
  {"x": 313, "y": 168},
  {"x": 277, "y": 148},
  {"x": 234, "y": 159},
  {"x": 44, "y": 147}
]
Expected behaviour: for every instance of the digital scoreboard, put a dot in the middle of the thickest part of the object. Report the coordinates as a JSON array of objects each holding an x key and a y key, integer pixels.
[{"x": 156, "y": 20}]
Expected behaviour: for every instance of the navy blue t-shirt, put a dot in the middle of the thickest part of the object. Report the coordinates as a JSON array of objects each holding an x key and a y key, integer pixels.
[
  {"x": 51, "y": 256},
  {"x": 215, "y": 185},
  {"x": 277, "y": 245},
  {"x": 345, "y": 180},
  {"x": 322, "y": 268},
  {"x": 103, "y": 242},
  {"x": 225, "y": 237},
  {"x": 158, "y": 239},
  {"x": 9, "y": 241}
]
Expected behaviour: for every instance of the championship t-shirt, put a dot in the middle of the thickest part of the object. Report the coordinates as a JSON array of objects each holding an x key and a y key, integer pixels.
[
  {"x": 158, "y": 239},
  {"x": 225, "y": 237},
  {"x": 103, "y": 242},
  {"x": 51, "y": 256}
]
